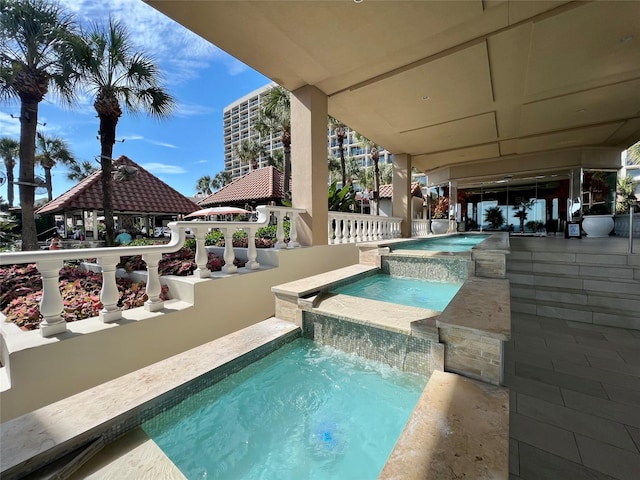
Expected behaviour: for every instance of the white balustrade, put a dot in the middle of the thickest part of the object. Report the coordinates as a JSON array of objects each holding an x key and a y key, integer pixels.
[
  {"x": 49, "y": 263},
  {"x": 356, "y": 227},
  {"x": 420, "y": 228}
]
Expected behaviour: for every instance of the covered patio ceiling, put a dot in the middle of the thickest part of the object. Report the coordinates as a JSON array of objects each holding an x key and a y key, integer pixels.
[{"x": 448, "y": 82}]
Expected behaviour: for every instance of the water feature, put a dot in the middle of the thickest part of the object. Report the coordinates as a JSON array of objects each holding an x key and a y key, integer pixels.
[
  {"x": 413, "y": 292},
  {"x": 303, "y": 411},
  {"x": 452, "y": 243}
]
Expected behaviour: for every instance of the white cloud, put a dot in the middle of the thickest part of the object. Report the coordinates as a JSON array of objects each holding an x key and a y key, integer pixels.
[
  {"x": 132, "y": 137},
  {"x": 160, "y": 168},
  {"x": 158, "y": 36},
  {"x": 191, "y": 109},
  {"x": 162, "y": 144}
]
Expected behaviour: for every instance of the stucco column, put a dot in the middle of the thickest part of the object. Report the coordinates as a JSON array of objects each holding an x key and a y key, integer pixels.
[
  {"x": 309, "y": 170},
  {"x": 401, "y": 200}
]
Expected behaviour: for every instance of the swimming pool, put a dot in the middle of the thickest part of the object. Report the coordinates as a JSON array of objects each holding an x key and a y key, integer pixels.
[
  {"x": 413, "y": 292},
  {"x": 452, "y": 243},
  {"x": 303, "y": 411}
]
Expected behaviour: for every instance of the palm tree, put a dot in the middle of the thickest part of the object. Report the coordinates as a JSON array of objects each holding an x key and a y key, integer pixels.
[
  {"x": 203, "y": 185},
  {"x": 52, "y": 150},
  {"x": 248, "y": 151},
  {"x": 276, "y": 159},
  {"x": 34, "y": 57},
  {"x": 340, "y": 131},
  {"x": 9, "y": 150},
  {"x": 80, "y": 171},
  {"x": 118, "y": 76},
  {"x": 374, "y": 151},
  {"x": 275, "y": 118},
  {"x": 221, "y": 179}
]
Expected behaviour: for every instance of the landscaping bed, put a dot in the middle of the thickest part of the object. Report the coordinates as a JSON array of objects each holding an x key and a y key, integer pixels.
[{"x": 21, "y": 289}]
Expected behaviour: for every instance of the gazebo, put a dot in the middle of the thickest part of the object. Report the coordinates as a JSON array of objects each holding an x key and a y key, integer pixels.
[
  {"x": 138, "y": 196},
  {"x": 258, "y": 187}
]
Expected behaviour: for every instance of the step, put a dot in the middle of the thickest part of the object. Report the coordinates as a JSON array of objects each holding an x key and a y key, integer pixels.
[
  {"x": 597, "y": 315},
  {"x": 588, "y": 283}
]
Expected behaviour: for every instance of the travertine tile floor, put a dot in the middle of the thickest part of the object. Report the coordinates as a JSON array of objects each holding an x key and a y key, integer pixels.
[{"x": 575, "y": 400}]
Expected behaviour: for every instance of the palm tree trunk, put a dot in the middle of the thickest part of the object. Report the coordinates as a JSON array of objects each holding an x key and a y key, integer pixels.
[
  {"x": 343, "y": 165},
  {"x": 376, "y": 180},
  {"x": 29, "y": 122},
  {"x": 47, "y": 177},
  {"x": 10, "y": 181},
  {"x": 107, "y": 140}
]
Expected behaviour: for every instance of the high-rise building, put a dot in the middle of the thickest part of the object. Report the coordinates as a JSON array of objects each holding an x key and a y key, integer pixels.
[{"x": 240, "y": 120}]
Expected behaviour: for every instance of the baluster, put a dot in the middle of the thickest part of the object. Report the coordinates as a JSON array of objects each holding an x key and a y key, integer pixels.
[
  {"x": 252, "y": 254},
  {"x": 229, "y": 256},
  {"x": 293, "y": 231},
  {"x": 153, "y": 303},
  {"x": 202, "y": 256},
  {"x": 51, "y": 305},
  {"x": 330, "y": 225},
  {"x": 338, "y": 230},
  {"x": 109, "y": 295},
  {"x": 352, "y": 231},
  {"x": 280, "y": 230}
]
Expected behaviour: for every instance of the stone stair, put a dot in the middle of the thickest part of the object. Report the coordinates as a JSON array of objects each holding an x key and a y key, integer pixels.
[{"x": 593, "y": 287}]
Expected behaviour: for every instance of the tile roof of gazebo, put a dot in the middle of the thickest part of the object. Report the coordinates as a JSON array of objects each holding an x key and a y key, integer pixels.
[
  {"x": 262, "y": 185},
  {"x": 386, "y": 191},
  {"x": 144, "y": 193}
]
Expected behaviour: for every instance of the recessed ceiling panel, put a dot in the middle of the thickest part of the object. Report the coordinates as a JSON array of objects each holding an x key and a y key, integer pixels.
[
  {"x": 454, "y": 86},
  {"x": 588, "y": 107},
  {"x": 435, "y": 160},
  {"x": 590, "y": 136},
  {"x": 590, "y": 43}
]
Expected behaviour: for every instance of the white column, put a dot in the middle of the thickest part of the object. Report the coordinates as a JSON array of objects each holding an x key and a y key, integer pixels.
[
  {"x": 109, "y": 295},
  {"x": 229, "y": 256},
  {"x": 252, "y": 253},
  {"x": 293, "y": 231},
  {"x": 309, "y": 168},
  {"x": 51, "y": 305},
  {"x": 153, "y": 303},
  {"x": 279, "y": 230},
  {"x": 402, "y": 191},
  {"x": 202, "y": 256}
]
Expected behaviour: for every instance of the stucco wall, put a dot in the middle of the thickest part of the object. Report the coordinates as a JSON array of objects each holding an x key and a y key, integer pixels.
[{"x": 44, "y": 370}]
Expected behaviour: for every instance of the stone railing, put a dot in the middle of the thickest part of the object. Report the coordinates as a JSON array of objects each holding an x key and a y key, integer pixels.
[
  {"x": 355, "y": 227},
  {"x": 49, "y": 263}
]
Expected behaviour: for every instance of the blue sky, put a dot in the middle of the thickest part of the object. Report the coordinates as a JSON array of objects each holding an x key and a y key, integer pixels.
[{"x": 202, "y": 78}]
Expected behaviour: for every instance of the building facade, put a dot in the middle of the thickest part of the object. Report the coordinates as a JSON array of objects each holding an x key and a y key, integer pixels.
[{"x": 240, "y": 120}]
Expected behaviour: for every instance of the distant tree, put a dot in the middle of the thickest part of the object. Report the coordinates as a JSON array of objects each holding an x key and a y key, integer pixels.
[
  {"x": 221, "y": 179},
  {"x": 80, "y": 171},
  {"x": 119, "y": 76},
  {"x": 275, "y": 118},
  {"x": 340, "y": 130},
  {"x": 203, "y": 186},
  {"x": 374, "y": 152},
  {"x": 49, "y": 152},
  {"x": 626, "y": 197},
  {"x": 248, "y": 151},
  {"x": 9, "y": 150},
  {"x": 276, "y": 159},
  {"x": 35, "y": 39}
]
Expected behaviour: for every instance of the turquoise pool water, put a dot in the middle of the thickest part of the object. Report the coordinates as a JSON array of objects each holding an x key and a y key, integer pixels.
[
  {"x": 412, "y": 292},
  {"x": 454, "y": 243},
  {"x": 302, "y": 412}
]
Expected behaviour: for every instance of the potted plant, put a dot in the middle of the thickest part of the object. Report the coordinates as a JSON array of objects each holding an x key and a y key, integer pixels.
[
  {"x": 598, "y": 221},
  {"x": 494, "y": 217},
  {"x": 440, "y": 216}
]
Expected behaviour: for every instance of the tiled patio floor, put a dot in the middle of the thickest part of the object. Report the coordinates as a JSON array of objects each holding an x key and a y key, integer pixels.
[{"x": 575, "y": 400}]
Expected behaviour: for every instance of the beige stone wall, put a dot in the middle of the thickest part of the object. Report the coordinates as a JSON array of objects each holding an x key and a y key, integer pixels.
[{"x": 471, "y": 354}]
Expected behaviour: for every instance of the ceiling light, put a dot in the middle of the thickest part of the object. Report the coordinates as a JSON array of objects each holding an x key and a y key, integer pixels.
[
  {"x": 426, "y": 97},
  {"x": 625, "y": 39},
  {"x": 358, "y": 1},
  {"x": 582, "y": 110}
]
